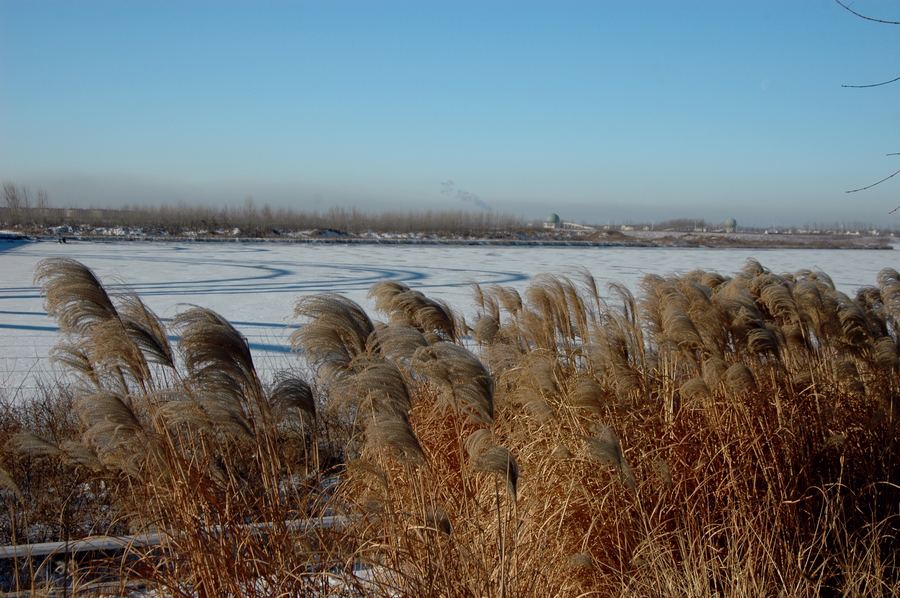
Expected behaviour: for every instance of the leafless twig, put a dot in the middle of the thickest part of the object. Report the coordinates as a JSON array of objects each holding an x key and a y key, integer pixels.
[
  {"x": 873, "y": 84},
  {"x": 875, "y": 183},
  {"x": 862, "y": 16}
]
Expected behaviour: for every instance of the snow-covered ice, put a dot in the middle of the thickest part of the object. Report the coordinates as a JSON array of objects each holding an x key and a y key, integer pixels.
[{"x": 255, "y": 285}]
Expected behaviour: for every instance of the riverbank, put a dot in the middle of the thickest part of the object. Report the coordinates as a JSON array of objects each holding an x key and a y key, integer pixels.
[{"x": 666, "y": 240}]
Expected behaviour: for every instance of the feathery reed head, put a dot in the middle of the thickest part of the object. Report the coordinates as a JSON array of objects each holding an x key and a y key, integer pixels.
[
  {"x": 146, "y": 330},
  {"x": 73, "y": 294},
  {"x": 589, "y": 394},
  {"x": 606, "y": 448},
  {"x": 488, "y": 457},
  {"x": 7, "y": 484},
  {"x": 740, "y": 380},
  {"x": 486, "y": 329},
  {"x": 292, "y": 394},
  {"x": 391, "y": 431},
  {"x": 337, "y": 330},
  {"x": 217, "y": 357},
  {"x": 465, "y": 382},
  {"x": 76, "y": 360},
  {"x": 695, "y": 389},
  {"x": 396, "y": 341},
  {"x": 713, "y": 371},
  {"x": 412, "y": 307},
  {"x": 376, "y": 385}
]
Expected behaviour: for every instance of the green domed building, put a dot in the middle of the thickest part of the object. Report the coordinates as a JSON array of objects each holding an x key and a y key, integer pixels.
[{"x": 553, "y": 221}]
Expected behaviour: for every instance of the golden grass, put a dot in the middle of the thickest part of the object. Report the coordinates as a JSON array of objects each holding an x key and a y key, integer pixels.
[{"x": 715, "y": 436}]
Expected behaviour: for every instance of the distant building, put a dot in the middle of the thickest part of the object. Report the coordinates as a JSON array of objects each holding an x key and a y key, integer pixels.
[
  {"x": 553, "y": 221},
  {"x": 730, "y": 225}
]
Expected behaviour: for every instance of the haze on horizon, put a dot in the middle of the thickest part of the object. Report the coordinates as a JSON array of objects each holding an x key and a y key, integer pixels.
[{"x": 600, "y": 111}]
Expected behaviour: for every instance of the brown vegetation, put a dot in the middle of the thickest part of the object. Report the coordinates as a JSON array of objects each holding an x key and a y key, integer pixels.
[{"x": 719, "y": 435}]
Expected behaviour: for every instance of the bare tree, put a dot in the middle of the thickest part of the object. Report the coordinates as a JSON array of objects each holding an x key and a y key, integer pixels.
[
  {"x": 846, "y": 7},
  {"x": 11, "y": 195},
  {"x": 42, "y": 201},
  {"x": 25, "y": 200},
  {"x": 250, "y": 214},
  {"x": 42, "y": 204},
  {"x": 13, "y": 201}
]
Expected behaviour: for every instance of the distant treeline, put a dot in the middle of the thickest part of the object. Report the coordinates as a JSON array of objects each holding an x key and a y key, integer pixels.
[
  {"x": 264, "y": 222},
  {"x": 31, "y": 211},
  {"x": 21, "y": 209}
]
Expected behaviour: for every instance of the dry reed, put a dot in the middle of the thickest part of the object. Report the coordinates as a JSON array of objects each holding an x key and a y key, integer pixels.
[{"x": 716, "y": 436}]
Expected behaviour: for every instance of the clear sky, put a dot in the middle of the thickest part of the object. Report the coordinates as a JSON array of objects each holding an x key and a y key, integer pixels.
[{"x": 601, "y": 111}]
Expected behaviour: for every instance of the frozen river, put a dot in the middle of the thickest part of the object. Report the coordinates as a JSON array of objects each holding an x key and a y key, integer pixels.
[{"x": 256, "y": 284}]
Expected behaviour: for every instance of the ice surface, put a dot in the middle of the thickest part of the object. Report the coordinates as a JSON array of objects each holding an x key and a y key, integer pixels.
[{"x": 256, "y": 284}]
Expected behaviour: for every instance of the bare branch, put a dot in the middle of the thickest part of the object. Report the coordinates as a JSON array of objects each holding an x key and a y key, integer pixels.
[
  {"x": 843, "y": 5},
  {"x": 873, "y": 184},
  {"x": 862, "y": 16},
  {"x": 873, "y": 84}
]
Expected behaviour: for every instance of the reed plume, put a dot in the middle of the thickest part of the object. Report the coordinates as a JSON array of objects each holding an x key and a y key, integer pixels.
[
  {"x": 466, "y": 385},
  {"x": 375, "y": 385},
  {"x": 146, "y": 330},
  {"x": 293, "y": 395},
  {"x": 489, "y": 457},
  {"x": 408, "y": 306},
  {"x": 396, "y": 341},
  {"x": 337, "y": 330},
  {"x": 8, "y": 485},
  {"x": 73, "y": 295},
  {"x": 740, "y": 379},
  {"x": 713, "y": 371},
  {"x": 391, "y": 431},
  {"x": 486, "y": 329},
  {"x": 606, "y": 448},
  {"x": 220, "y": 370}
]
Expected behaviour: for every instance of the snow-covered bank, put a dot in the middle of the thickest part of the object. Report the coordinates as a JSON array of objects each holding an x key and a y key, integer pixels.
[{"x": 663, "y": 240}]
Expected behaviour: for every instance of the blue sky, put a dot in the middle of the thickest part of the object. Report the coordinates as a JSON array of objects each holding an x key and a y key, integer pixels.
[{"x": 601, "y": 111}]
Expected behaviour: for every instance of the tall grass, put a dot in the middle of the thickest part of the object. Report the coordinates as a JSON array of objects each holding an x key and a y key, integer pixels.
[{"x": 714, "y": 436}]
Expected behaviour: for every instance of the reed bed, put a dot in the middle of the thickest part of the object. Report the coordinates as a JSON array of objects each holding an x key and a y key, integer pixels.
[{"x": 716, "y": 435}]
